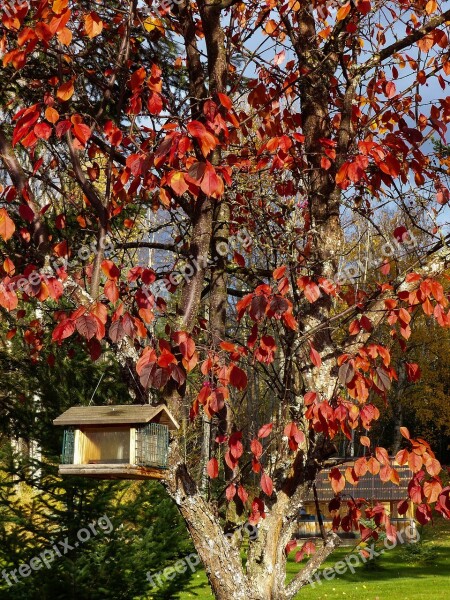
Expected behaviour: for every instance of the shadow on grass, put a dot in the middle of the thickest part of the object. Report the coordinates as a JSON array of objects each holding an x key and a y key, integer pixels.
[{"x": 422, "y": 573}]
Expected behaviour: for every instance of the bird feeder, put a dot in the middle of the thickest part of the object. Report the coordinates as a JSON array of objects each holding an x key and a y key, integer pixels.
[{"x": 116, "y": 442}]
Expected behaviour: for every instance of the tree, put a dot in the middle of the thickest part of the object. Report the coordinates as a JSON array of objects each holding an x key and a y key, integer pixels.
[{"x": 327, "y": 118}]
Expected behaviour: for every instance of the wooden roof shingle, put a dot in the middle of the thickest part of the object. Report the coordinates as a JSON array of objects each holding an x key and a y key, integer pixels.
[{"x": 132, "y": 414}]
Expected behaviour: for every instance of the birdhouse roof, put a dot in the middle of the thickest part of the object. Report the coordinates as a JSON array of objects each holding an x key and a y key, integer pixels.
[{"x": 131, "y": 414}]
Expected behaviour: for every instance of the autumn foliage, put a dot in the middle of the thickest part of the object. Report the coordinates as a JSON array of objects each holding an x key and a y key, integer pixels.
[{"x": 120, "y": 118}]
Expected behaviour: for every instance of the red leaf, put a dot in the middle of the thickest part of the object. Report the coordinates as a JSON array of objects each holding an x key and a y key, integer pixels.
[
  {"x": 110, "y": 269},
  {"x": 230, "y": 492},
  {"x": 155, "y": 103},
  {"x": 266, "y": 484},
  {"x": 242, "y": 494},
  {"x": 86, "y": 326},
  {"x": 95, "y": 349},
  {"x": 366, "y": 323},
  {"x": 111, "y": 291},
  {"x": 291, "y": 545},
  {"x": 295, "y": 436},
  {"x": 211, "y": 184},
  {"x": 196, "y": 129},
  {"x": 423, "y": 514},
  {"x": 225, "y": 101},
  {"x": 82, "y": 133},
  {"x": 279, "y": 272},
  {"x": 257, "y": 511},
  {"x": 314, "y": 356},
  {"x": 238, "y": 378},
  {"x": 412, "y": 371},
  {"x": 391, "y": 90},
  {"x": 43, "y": 131},
  {"x": 64, "y": 330},
  {"x": 26, "y": 212},
  {"x": 256, "y": 448},
  {"x": 236, "y": 447},
  {"x": 402, "y": 507},
  {"x": 212, "y": 468},
  {"x": 265, "y": 430}
]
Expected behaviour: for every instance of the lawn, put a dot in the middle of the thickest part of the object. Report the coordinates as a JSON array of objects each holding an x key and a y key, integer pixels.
[{"x": 393, "y": 576}]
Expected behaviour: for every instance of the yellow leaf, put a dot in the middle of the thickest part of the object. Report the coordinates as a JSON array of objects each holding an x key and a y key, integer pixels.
[
  {"x": 152, "y": 23},
  {"x": 65, "y": 91},
  {"x": 271, "y": 26}
]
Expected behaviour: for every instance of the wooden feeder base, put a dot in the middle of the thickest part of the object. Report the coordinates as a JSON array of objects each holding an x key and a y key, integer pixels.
[{"x": 112, "y": 471}]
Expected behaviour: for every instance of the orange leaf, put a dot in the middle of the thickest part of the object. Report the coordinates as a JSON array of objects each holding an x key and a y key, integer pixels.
[
  {"x": 402, "y": 457},
  {"x": 427, "y": 42},
  {"x": 51, "y": 115},
  {"x": 337, "y": 480},
  {"x": 8, "y": 266},
  {"x": 65, "y": 36},
  {"x": 343, "y": 12},
  {"x": 7, "y": 226},
  {"x": 93, "y": 24},
  {"x": 405, "y": 433},
  {"x": 432, "y": 489},
  {"x": 279, "y": 272},
  {"x": 415, "y": 462},
  {"x": 59, "y": 6},
  {"x": 65, "y": 91},
  {"x": 111, "y": 291},
  {"x": 431, "y": 7},
  {"x": 177, "y": 182}
]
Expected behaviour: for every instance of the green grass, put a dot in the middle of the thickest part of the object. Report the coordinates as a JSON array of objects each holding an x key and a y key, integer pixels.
[{"x": 396, "y": 575}]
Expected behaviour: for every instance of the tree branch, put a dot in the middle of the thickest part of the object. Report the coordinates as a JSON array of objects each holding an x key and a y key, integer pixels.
[
  {"x": 19, "y": 179},
  {"x": 304, "y": 577},
  {"x": 404, "y": 43},
  {"x": 154, "y": 245}
]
